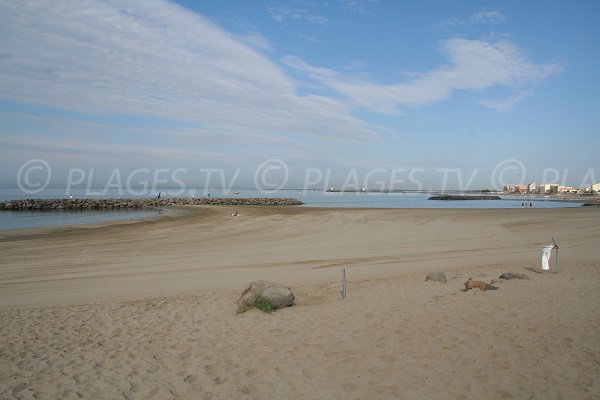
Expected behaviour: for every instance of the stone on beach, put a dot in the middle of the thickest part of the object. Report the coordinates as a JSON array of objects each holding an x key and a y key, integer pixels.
[
  {"x": 437, "y": 277},
  {"x": 278, "y": 295},
  {"x": 513, "y": 275}
]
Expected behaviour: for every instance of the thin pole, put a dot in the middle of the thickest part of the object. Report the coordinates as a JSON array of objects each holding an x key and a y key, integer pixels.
[
  {"x": 343, "y": 283},
  {"x": 556, "y": 247}
]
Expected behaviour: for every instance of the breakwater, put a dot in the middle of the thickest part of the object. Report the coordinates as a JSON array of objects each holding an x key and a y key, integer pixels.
[
  {"x": 453, "y": 197},
  {"x": 101, "y": 204}
]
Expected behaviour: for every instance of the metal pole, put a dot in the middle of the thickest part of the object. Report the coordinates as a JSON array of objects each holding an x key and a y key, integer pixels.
[{"x": 343, "y": 283}]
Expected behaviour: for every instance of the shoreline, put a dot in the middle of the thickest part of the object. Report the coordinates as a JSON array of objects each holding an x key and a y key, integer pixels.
[
  {"x": 47, "y": 206},
  {"x": 182, "y": 211}
]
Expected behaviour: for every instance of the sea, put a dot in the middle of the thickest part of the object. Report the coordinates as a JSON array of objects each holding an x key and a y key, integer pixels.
[{"x": 311, "y": 198}]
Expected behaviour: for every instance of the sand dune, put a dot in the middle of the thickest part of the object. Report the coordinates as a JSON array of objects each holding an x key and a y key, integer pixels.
[{"x": 146, "y": 310}]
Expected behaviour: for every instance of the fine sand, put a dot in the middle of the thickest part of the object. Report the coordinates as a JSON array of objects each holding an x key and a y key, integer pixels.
[{"x": 143, "y": 310}]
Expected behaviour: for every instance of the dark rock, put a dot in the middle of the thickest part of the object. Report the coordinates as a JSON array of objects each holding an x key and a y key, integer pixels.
[
  {"x": 513, "y": 275},
  {"x": 77, "y": 204}
]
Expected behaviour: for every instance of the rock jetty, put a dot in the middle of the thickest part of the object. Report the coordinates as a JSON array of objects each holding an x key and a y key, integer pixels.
[
  {"x": 455, "y": 197},
  {"x": 101, "y": 204}
]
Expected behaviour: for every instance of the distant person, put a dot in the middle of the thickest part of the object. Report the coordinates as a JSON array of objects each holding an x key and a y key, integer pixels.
[
  {"x": 158, "y": 197},
  {"x": 530, "y": 204},
  {"x": 522, "y": 204}
]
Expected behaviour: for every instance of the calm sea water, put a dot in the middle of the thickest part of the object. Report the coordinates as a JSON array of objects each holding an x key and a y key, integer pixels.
[
  {"x": 31, "y": 219},
  {"x": 52, "y": 218}
]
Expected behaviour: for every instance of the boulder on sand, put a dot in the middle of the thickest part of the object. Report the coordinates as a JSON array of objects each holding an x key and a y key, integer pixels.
[
  {"x": 436, "y": 276},
  {"x": 274, "y": 295}
]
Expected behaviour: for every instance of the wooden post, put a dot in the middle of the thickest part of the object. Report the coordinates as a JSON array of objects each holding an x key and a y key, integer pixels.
[
  {"x": 556, "y": 247},
  {"x": 343, "y": 283}
]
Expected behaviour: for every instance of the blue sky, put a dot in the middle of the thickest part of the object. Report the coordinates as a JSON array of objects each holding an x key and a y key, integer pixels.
[{"x": 345, "y": 85}]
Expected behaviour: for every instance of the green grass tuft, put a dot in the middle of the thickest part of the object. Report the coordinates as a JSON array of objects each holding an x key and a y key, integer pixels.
[
  {"x": 260, "y": 303},
  {"x": 263, "y": 304}
]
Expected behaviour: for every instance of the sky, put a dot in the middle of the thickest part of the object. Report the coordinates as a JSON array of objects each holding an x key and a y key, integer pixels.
[{"x": 285, "y": 94}]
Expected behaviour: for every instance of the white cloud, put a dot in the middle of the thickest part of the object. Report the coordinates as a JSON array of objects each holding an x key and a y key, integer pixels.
[
  {"x": 474, "y": 66},
  {"x": 482, "y": 16},
  {"x": 257, "y": 41},
  {"x": 154, "y": 58},
  {"x": 359, "y": 6},
  {"x": 503, "y": 104},
  {"x": 284, "y": 13},
  {"x": 124, "y": 152},
  {"x": 486, "y": 16}
]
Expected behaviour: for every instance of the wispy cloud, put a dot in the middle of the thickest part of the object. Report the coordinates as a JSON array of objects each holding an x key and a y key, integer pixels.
[
  {"x": 116, "y": 152},
  {"x": 503, "y": 105},
  {"x": 286, "y": 12},
  {"x": 257, "y": 41},
  {"x": 359, "y": 6},
  {"x": 486, "y": 17},
  {"x": 156, "y": 59},
  {"x": 474, "y": 65},
  {"x": 481, "y": 16}
]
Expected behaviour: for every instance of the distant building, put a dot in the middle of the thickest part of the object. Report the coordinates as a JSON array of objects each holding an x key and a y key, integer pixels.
[
  {"x": 515, "y": 189},
  {"x": 567, "y": 189},
  {"x": 548, "y": 188},
  {"x": 531, "y": 188},
  {"x": 593, "y": 188}
]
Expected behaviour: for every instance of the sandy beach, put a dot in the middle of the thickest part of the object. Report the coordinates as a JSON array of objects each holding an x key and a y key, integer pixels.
[{"x": 146, "y": 309}]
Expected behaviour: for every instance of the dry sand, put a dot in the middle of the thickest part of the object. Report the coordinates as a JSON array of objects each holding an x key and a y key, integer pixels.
[{"x": 144, "y": 310}]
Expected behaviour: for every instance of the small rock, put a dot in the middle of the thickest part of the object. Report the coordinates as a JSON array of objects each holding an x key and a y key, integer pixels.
[
  {"x": 437, "y": 277},
  {"x": 513, "y": 275}
]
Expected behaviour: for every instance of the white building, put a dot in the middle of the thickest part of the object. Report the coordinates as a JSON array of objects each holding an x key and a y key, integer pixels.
[
  {"x": 547, "y": 188},
  {"x": 594, "y": 188},
  {"x": 531, "y": 188}
]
